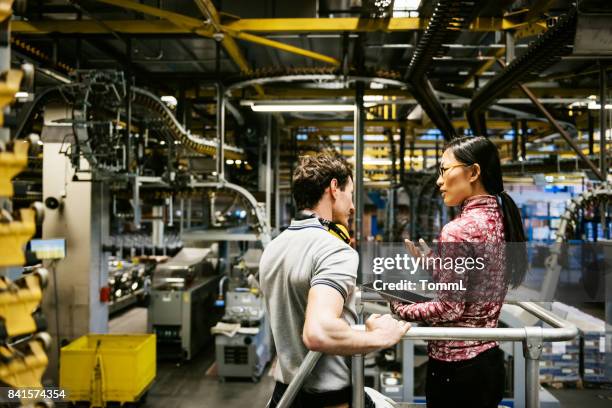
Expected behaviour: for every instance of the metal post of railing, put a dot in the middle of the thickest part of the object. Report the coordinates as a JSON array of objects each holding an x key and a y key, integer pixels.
[
  {"x": 357, "y": 374},
  {"x": 532, "y": 350},
  {"x": 357, "y": 368}
]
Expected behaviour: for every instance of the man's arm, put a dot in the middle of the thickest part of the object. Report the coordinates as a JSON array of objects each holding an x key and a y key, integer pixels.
[{"x": 327, "y": 332}]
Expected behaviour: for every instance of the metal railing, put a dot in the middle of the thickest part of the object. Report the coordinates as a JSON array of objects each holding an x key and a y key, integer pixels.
[{"x": 532, "y": 338}]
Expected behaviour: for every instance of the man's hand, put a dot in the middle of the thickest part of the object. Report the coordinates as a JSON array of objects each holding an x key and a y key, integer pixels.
[{"x": 388, "y": 329}]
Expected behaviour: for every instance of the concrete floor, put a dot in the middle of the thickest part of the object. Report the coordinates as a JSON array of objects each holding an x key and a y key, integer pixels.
[
  {"x": 194, "y": 384},
  {"x": 591, "y": 398}
]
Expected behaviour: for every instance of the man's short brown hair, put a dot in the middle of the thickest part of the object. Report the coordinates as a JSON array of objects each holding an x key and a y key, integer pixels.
[{"x": 314, "y": 174}]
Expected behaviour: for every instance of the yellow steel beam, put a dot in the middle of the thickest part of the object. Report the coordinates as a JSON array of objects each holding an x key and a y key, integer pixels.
[
  {"x": 283, "y": 47},
  {"x": 538, "y": 8},
  {"x": 93, "y": 27},
  {"x": 486, "y": 65},
  {"x": 195, "y": 25},
  {"x": 209, "y": 10},
  {"x": 182, "y": 24},
  {"x": 209, "y": 27},
  {"x": 307, "y": 25},
  {"x": 6, "y": 9}
]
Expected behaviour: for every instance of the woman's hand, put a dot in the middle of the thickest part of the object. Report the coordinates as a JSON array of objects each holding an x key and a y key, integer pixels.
[{"x": 422, "y": 250}]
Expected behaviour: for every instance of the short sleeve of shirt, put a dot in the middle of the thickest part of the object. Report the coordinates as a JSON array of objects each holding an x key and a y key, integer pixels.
[{"x": 337, "y": 268}]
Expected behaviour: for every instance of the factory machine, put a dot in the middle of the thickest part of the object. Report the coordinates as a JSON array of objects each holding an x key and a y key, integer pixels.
[
  {"x": 243, "y": 345},
  {"x": 181, "y": 309}
]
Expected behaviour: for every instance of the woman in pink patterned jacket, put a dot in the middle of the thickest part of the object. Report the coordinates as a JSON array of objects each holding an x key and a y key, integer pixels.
[{"x": 471, "y": 374}]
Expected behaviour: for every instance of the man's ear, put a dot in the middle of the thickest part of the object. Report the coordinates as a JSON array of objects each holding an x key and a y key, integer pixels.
[
  {"x": 475, "y": 172},
  {"x": 333, "y": 187}
]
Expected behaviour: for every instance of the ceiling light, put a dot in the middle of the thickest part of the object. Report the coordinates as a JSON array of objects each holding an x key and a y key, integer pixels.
[
  {"x": 169, "y": 100},
  {"x": 375, "y": 138},
  {"x": 230, "y": 161},
  {"x": 596, "y": 106},
  {"x": 302, "y": 108},
  {"x": 22, "y": 95},
  {"x": 238, "y": 161},
  {"x": 406, "y": 4}
]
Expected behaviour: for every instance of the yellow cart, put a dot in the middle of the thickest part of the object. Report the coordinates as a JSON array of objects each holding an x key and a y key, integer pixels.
[{"x": 102, "y": 368}]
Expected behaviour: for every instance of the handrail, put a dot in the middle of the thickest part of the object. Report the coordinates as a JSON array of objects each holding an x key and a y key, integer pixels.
[
  {"x": 531, "y": 337},
  {"x": 295, "y": 385}
]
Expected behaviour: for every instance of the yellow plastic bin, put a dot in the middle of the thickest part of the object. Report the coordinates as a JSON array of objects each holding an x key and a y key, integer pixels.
[{"x": 108, "y": 367}]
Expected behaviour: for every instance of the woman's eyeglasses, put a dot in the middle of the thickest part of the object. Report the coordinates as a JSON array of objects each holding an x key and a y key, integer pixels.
[{"x": 442, "y": 170}]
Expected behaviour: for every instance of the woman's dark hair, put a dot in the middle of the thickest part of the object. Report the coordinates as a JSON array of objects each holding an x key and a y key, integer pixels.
[{"x": 481, "y": 150}]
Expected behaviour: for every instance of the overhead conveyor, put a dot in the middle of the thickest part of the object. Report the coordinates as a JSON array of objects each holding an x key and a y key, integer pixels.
[
  {"x": 545, "y": 51},
  {"x": 445, "y": 25}
]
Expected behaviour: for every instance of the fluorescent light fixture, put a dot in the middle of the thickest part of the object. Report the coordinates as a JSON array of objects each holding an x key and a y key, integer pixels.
[
  {"x": 169, "y": 100},
  {"x": 406, "y": 4},
  {"x": 375, "y": 138},
  {"x": 377, "y": 162},
  {"x": 372, "y": 98},
  {"x": 303, "y": 108},
  {"x": 596, "y": 106},
  {"x": 406, "y": 8}
]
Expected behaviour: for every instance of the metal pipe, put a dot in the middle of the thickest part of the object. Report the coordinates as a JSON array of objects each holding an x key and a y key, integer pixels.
[
  {"x": 515, "y": 141},
  {"x": 277, "y": 210},
  {"x": 402, "y": 154},
  {"x": 294, "y": 386},
  {"x": 603, "y": 84},
  {"x": 157, "y": 231},
  {"x": 591, "y": 125},
  {"x": 220, "y": 132},
  {"x": 269, "y": 142},
  {"x": 136, "y": 202},
  {"x": 171, "y": 211},
  {"x": 359, "y": 130},
  {"x": 524, "y": 132},
  {"x": 182, "y": 224},
  {"x": 532, "y": 383},
  {"x": 128, "y": 106},
  {"x": 558, "y": 128},
  {"x": 357, "y": 373}
]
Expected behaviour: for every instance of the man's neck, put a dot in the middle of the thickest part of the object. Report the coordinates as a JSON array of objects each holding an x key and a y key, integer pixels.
[{"x": 322, "y": 211}]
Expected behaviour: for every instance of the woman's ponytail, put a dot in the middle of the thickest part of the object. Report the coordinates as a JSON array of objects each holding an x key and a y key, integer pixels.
[{"x": 516, "y": 249}]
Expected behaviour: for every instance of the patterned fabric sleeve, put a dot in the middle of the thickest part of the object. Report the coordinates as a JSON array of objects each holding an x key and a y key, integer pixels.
[{"x": 449, "y": 305}]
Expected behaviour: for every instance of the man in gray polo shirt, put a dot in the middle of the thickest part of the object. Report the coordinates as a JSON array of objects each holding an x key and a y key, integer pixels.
[{"x": 308, "y": 279}]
